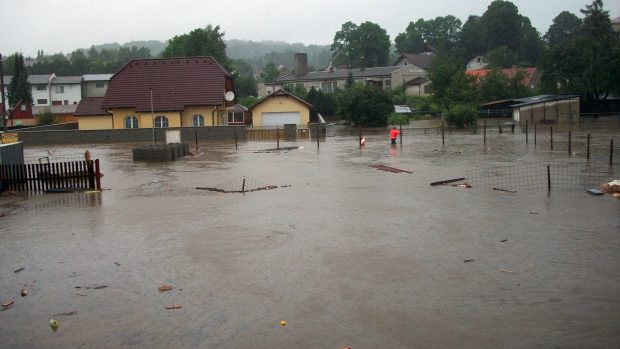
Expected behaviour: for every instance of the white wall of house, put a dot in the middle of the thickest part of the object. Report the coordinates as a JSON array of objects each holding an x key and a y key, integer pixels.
[
  {"x": 66, "y": 93},
  {"x": 476, "y": 63},
  {"x": 95, "y": 88},
  {"x": 40, "y": 95}
]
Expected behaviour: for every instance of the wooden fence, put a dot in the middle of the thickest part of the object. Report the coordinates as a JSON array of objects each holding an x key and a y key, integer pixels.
[{"x": 51, "y": 177}]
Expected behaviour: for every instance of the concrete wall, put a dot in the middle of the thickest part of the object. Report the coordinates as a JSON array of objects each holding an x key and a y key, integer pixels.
[{"x": 136, "y": 135}]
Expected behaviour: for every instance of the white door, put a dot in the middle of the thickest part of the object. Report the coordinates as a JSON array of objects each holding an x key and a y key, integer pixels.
[{"x": 279, "y": 119}]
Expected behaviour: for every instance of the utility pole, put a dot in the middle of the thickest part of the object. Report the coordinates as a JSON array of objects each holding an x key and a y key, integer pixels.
[{"x": 3, "y": 113}]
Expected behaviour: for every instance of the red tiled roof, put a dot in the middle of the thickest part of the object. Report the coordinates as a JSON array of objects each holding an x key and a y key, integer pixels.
[
  {"x": 176, "y": 83},
  {"x": 90, "y": 106},
  {"x": 528, "y": 79}
]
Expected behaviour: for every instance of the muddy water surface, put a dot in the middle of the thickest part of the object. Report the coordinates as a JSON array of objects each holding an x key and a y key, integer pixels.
[{"x": 346, "y": 254}]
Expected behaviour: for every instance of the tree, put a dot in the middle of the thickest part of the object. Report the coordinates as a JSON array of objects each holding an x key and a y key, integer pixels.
[
  {"x": 206, "y": 41},
  {"x": 450, "y": 83},
  {"x": 412, "y": 40},
  {"x": 462, "y": 115},
  {"x": 366, "y": 45},
  {"x": 439, "y": 33},
  {"x": 493, "y": 87},
  {"x": 563, "y": 30},
  {"x": 19, "y": 88},
  {"x": 323, "y": 103},
  {"x": 364, "y": 106},
  {"x": 80, "y": 64},
  {"x": 269, "y": 73},
  {"x": 245, "y": 86},
  {"x": 501, "y": 57},
  {"x": 46, "y": 118}
]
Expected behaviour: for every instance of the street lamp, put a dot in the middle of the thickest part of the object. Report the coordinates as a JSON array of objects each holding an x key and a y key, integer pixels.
[{"x": 152, "y": 116}]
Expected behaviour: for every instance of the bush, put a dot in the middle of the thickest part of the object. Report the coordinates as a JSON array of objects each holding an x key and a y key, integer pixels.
[
  {"x": 364, "y": 106},
  {"x": 462, "y": 115},
  {"x": 46, "y": 118},
  {"x": 398, "y": 119}
]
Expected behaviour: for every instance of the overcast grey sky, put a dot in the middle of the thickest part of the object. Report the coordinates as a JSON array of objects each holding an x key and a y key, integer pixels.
[{"x": 64, "y": 25}]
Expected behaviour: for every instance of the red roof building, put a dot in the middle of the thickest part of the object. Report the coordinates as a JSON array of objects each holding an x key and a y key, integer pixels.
[
  {"x": 530, "y": 78},
  {"x": 179, "y": 92}
]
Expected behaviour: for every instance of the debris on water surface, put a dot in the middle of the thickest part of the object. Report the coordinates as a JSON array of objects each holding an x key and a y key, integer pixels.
[
  {"x": 447, "y": 181},
  {"x": 503, "y": 240},
  {"x": 24, "y": 292},
  {"x": 66, "y": 313},
  {"x": 7, "y": 305},
  {"x": 505, "y": 190},
  {"x": 468, "y": 260},
  {"x": 173, "y": 306},
  {"x": 389, "y": 169},
  {"x": 18, "y": 270},
  {"x": 283, "y": 323},
  {"x": 165, "y": 288},
  {"x": 54, "y": 325}
]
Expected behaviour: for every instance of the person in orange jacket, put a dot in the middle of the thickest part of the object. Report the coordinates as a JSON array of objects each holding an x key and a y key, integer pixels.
[{"x": 394, "y": 134}]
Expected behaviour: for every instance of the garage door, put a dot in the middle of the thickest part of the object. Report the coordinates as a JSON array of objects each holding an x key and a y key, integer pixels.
[{"x": 279, "y": 119}]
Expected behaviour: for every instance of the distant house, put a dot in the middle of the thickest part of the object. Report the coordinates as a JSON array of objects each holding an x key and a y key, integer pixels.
[
  {"x": 168, "y": 92},
  {"x": 531, "y": 76},
  {"x": 21, "y": 115},
  {"x": 62, "y": 113},
  {"x": 418, "y": 87},
  {"x": 421, "y": 61},
  {"x": 55, "y": 90},
  {"x": 281, "y": 108},
  {"x": 95, "y": 85},
  {"x": 91, "y": 116},
  {"x": 476, "y": 63},
  {"x": 615, "y": 24}
]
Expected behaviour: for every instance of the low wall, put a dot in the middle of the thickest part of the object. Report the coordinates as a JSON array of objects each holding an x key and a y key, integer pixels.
[{"x": 136, "y": 135}]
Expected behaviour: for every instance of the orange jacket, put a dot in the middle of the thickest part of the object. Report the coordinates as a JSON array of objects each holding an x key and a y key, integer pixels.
[{"x": 394, "y": 133}]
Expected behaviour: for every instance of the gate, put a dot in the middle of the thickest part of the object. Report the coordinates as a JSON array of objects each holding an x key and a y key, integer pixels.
[{"x": 51, "y": 177}]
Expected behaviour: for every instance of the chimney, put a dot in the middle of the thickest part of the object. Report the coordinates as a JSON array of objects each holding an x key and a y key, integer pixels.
[{"x": 301, "y": 64}]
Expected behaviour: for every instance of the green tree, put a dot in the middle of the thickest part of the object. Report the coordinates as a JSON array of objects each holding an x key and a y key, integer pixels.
[
  {"x": 19, "y": 88},
  {"x": 494, "y": 87},
  {"x": 462, "y": 115},
  {"x": 450, "y": 84},
  {"x": 241, "y": 67},
  {"x": 206, "y": 41},
  {"x": 364, "y": 106},
  {"x": 563, "y": 30},
  {"x": 269, "y": 73},
  {"x": 46, "y": 118},
  {"x": 471, "y": 37},
  {"x": 501, "y": 57},
  {"x": 245, "y": 86},
  {"x": 80, "y": 64},
  {"x": 366, "y": 45},
  {"x": 323, "y": 103},
  {"x": 440, "y": 33}
]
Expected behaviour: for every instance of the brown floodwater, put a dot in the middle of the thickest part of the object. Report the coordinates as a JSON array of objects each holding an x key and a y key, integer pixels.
[{"x": 347, "y": 255}]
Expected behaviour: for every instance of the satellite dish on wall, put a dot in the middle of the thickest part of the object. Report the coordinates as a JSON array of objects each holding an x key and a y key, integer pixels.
[{"x": 229, "y": 96}]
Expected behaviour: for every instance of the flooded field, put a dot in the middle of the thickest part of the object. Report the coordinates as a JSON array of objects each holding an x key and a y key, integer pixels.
[{"x": 347, "y": 255}]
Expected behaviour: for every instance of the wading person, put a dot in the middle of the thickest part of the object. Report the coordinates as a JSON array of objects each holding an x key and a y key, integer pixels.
[{"x": 394, "y": 134}]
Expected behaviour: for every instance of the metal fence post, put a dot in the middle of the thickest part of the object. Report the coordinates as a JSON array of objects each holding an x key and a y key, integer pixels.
[
  {"x": 534, "y": 134},
  {"x": 588, "y": 148},
  {"x": 317, "y": 136},
  {"x": 400, "y": 127},
  {"x": 551, "y": 131},
  {"x": 485, "y": 132},
  {"x": 526, "y": 132},
  {"x": 443, "y": 139},
  {"x": 569, "y": 143},
  {"x": 611, "y": 152},
  {"x": 548, "y": 178},
  {"x": 236, "y": 143},
  {"x": 278, "y": 137}
]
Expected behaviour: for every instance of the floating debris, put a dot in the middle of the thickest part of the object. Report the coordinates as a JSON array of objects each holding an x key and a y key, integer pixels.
[
  {"x": 18, "y": 270},
  {"x": 447, "y": 181},
  {"x": 468, "y": 260},
  {"x": 173, "y": 306},
  {"x": 67, "y": 313},
  {"x": 283, "y": 323},
  {"x": 7, "y": 305},
  {"x": 54, "y": 325},
  {"x": 165, "y": 288},
  {"x": 505, "y": 190},
  {"x": 239, "y": 185},
  {"x": 389, "y": 169}
]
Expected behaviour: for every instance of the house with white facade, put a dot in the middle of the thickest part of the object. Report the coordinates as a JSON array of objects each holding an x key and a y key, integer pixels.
[
  {"x": 55, "y": 90},
  {"x": 95, "y": 85},
  {"x": 7, "y": 81}
]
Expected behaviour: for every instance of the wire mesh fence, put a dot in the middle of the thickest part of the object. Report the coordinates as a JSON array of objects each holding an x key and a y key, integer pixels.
[
  {"x": 52, "y": 156},
  {"x": 239, "y": 185},
  {"x": 542, "y": 176}
]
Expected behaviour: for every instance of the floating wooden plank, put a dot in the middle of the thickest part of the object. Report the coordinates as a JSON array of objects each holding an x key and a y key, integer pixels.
[
  {"x": 505, "y": 190},
  {"x": 447, "y": 181},
  {"x": 389, "y": 169}
]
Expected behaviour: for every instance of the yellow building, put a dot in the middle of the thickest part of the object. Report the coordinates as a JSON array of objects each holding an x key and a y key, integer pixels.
[
  {"x": 281, "y": 108},
  {"x": 171, "y": 92}
]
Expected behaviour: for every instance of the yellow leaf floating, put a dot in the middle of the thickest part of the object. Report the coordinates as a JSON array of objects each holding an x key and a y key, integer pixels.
[
  {"x": 54, "y": 324},
  {"x": 282, "y": 323}
]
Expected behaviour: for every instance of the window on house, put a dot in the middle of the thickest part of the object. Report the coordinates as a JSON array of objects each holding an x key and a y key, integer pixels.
[
  {"x": 59, "y": 89},
  {"x": 23, "y": 107},
  {"x": 161, "y": 121},
  {"x": 99, "y": 84},
  {"x": 42, "y": 101},
  {"x": 427, "y": 89},
  {"x": 131, "y": 122},
  {"x": 388, "y": 84},
  {"x": 41, "y": 88},
  {"x": 235, "y": 117},
  {"x": 198, "y": 120},
  {"x": 65, "y": 102},
  {"x": 328, "y": 87}
]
